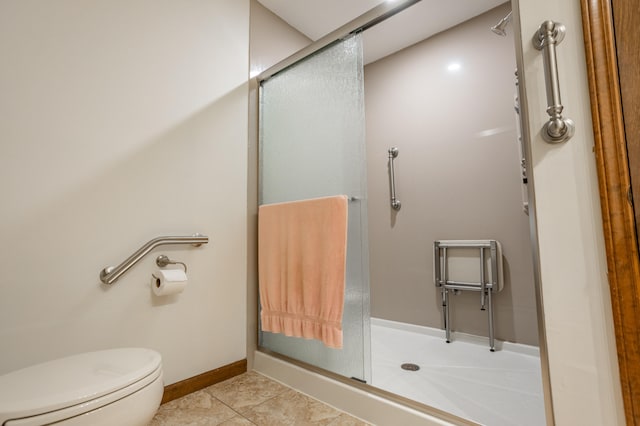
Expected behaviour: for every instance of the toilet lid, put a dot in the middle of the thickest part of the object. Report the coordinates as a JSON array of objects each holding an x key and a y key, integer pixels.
[{"x": 72, "y": 380}]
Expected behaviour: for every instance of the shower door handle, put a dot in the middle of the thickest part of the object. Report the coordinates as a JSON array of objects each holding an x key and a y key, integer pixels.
[
  {"x": 557, "y": 129},
  {"x": 395, "y": 203}
]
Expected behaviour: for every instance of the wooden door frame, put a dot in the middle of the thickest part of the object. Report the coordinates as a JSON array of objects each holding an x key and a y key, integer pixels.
[{"x": 615, "y": 185}]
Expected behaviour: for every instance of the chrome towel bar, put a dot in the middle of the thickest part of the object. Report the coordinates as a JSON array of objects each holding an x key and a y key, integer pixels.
[
  {"x": 546, "y": 38},
  {"x": 110, "y": 274}
]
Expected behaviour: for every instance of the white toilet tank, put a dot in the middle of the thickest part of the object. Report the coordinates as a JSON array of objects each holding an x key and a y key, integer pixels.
[{"x": 110, "y": 387}]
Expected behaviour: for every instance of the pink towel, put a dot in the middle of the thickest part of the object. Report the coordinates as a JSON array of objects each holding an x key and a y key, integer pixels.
[{"x": 302, "y": 249}]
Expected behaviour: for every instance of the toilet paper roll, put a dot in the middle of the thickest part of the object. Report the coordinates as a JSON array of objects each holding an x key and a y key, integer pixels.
[{"x": 166, "y": 282}]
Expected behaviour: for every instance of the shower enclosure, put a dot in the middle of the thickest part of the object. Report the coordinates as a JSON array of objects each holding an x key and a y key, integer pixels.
[{"x": 454, "y": 135}]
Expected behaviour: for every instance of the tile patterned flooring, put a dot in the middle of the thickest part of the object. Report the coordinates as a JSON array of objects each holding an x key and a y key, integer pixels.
[{"x": 250, "y": 399}]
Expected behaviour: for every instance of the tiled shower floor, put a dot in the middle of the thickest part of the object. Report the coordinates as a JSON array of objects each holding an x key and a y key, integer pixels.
[{"x": 462, "y": 377}]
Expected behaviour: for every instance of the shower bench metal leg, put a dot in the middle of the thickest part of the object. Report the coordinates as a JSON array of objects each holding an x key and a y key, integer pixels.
[
  {"x": 445, "y": 312},
  {"x": 447, "y": 320},
  {"x": 492, "y": 347}
]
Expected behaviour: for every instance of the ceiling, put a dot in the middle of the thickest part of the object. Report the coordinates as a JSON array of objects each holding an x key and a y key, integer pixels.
[{"x": 316, "y": 18}]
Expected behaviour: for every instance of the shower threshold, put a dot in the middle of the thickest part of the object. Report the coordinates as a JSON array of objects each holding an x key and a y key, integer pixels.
[{"x": 460, "y": 383}]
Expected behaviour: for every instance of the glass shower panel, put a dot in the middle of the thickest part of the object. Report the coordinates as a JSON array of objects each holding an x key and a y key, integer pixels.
[{"x": 312, "y": 145}]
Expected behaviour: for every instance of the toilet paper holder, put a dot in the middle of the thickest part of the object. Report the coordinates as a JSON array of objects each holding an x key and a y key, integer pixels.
[{"x": 163, "y": 261}]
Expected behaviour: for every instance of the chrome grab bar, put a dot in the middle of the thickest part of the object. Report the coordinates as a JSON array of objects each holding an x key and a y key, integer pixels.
[
  {"x": 483, "y": 283},
  {"x": 395, "y": 203},
  {"x": 110, "y": 274},
  {"x": 557, "y": 129}
]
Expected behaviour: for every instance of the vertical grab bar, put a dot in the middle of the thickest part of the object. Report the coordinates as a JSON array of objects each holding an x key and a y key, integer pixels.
[
  {"x": 483, "y": 285},
  {"x": 557, "y": 129},
  {"x": 395, "y": 203}
]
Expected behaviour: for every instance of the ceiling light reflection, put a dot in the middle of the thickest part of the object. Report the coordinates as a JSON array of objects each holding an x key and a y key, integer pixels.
[{"x": 454, "y": 67}]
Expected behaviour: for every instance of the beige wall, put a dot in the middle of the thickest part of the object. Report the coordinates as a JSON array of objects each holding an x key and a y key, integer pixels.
[
  {"x": 272, "y": 39},
  {"x": 121, "y": 121},
  {"x": 585, "y": 383},
  {"x": 457, "y": 176}
]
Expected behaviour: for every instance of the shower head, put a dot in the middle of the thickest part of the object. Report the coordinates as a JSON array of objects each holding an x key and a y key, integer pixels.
[{"x": 500, "y": 26}]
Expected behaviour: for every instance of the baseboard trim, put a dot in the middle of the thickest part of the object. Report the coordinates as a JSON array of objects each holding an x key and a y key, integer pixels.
[{"x": 201, "y": 381}]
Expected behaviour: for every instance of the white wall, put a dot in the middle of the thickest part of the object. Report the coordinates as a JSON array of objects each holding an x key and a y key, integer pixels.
[
  {"x": 121, "y": 121},
  {"x": 577, "y": 309}
]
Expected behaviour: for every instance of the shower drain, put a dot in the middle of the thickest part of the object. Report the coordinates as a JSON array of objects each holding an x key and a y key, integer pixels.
[{"x": 410, "y": 367}]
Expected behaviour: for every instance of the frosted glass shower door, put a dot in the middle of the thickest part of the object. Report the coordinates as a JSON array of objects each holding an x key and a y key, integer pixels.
[{"x": 312, "y": 145}]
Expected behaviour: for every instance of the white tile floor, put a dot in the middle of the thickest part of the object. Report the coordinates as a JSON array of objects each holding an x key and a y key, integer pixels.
[{"x": 463, "y": 377}]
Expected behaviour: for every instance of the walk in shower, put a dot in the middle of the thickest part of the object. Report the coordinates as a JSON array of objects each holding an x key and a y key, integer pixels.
[{"x": 434, "y": 126}]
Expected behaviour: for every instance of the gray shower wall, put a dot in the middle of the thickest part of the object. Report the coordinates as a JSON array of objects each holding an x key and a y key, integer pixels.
[{"x": 457, "y": 176}]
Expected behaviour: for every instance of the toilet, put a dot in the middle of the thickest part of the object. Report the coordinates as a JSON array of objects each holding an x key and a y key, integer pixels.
[{"x": 109, "y": 387}]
